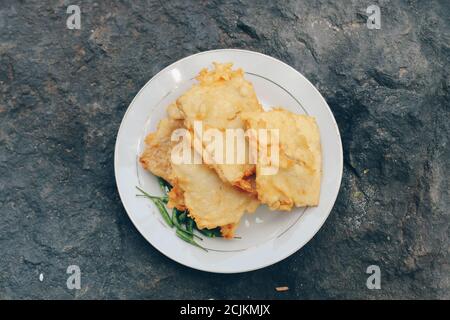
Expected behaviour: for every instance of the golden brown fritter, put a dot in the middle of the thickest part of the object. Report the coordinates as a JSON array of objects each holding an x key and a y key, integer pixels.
[
  {"x": 297, "y": 181},
  {"x": 211, "y": 202},
  {"x": 217, "y": 101},
  {"x": 156, "y": 155}
]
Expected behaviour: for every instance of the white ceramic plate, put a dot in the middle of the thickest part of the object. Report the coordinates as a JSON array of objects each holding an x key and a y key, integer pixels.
[{"x": 266, "y": 236}]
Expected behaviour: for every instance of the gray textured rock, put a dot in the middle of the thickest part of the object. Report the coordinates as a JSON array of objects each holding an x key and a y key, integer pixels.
[{"x": 63, "y": 94}]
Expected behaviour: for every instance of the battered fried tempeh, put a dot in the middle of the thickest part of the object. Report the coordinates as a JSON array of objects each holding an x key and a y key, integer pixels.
[
  {"x": 210, "y": 201},
  {"x": 156, "y": 155},
  {"x": 196, "y": 187},
  {"x": 297, "y": 181},
  {"x": 217, "y": 100}
]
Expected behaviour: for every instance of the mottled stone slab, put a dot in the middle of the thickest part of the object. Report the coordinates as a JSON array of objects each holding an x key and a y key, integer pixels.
[{"x": 63, "y": 94}]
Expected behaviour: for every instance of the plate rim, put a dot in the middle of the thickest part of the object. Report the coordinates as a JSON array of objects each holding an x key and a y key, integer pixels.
[{"x": 289, "y": 252}]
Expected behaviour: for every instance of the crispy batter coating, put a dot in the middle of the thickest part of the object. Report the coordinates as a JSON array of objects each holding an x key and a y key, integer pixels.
[
  {"x": 210, "y": 201},
  {"x": 217, "y": 100},
  {"x": 196, "y": 187},
  {"x": 297, "y": 181},
  {"x": 156, "y": 155},
  {"x": 176, "y": 198}
]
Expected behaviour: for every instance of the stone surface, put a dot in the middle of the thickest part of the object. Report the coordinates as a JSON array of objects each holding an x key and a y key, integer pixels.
[{"x": 63, "y": 94}]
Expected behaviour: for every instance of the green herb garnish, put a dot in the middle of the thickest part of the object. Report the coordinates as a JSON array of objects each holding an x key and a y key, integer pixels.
[
  {"x": 183, "y": 236},
  {"x": 165, "y": 186},
  {"x": 160, "y": 205},
  {"x": 164, "y": 199},
  {"x": 211, "y": 233},
  {"x": 183, "y": 224}
]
